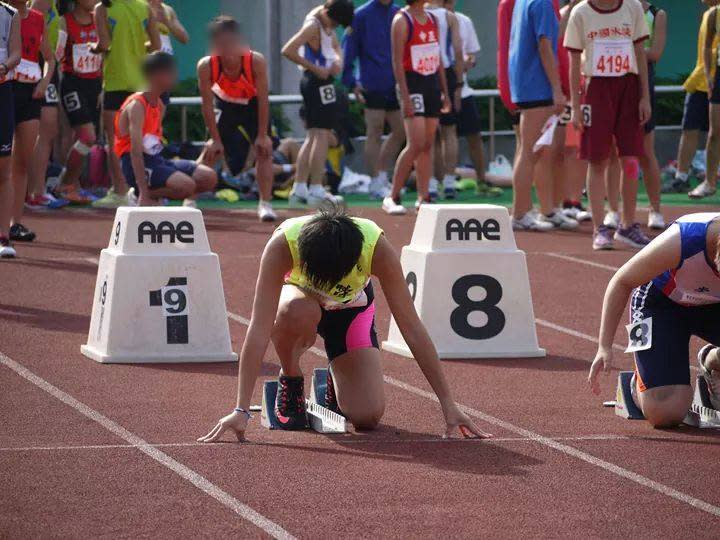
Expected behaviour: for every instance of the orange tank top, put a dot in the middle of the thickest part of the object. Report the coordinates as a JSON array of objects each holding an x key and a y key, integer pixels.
[
  {"x": 240, "y": 90},
  {"x": 152, "y": 127}
]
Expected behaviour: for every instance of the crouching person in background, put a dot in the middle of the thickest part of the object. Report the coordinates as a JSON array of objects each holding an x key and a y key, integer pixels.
[{"x": 138, "y": 143}]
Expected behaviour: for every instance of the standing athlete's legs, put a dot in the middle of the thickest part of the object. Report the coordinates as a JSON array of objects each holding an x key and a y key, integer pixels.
[
  {"x": 26, "y": 134},
  {"x": 424, "y": 160},
  {"x": 374, "y": 129},
  {"x": 415, "y": 135},
  {"x": 531, "y": 124},
  {"x": 43, "y": 148},
  {"x": 651, "y": 173},
  {"x": 116, "y": 175}
]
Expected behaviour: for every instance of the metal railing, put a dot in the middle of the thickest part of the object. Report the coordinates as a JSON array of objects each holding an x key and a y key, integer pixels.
[{"x": 491, "y": 94}]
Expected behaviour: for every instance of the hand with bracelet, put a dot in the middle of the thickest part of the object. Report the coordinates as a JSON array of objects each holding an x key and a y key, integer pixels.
[{"x": 235, "y": 421}]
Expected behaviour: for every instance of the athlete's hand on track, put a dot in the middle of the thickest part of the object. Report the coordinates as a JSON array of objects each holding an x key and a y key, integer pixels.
[
  {"x": 358, "y": 91},
  {"x": 263, "y": 146},
  {"x": 645, "y": 111},
  {"x": 457, "y": 420},
  {"x": 603, "y": 361},
  {"x": 236, "y": 422}
]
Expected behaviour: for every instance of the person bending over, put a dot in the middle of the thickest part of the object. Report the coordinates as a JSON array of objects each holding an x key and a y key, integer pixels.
[
  {"x": 138, "y": 141},
  {"x": 315, "y": 279},
  {"x": 675, "y": 282}
]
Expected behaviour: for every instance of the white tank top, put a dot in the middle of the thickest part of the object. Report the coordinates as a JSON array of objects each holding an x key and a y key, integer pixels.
[
  {"x": 326, "y": 56},
  {"x": 695, "y": 281},
  {"x": 447, "y": 53},
  {"x": 6, "y": 16}
]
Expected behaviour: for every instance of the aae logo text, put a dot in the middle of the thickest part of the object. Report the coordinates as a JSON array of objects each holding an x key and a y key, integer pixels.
[
  {"x": 183, "y": 232},
  {"x": 489, "y": 229}
]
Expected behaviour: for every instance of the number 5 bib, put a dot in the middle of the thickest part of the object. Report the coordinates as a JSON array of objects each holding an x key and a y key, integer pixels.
[{"x": 613, "y": 57}]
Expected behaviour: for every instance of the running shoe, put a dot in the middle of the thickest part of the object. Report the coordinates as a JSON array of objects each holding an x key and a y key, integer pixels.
[
  {"x": 612, "y": 220},
  {"x": 111, "y": 200},
  {"x": 632, "y": 236},
  {"x": 318, "y": 200},
  {"x": 393, "y": 207},
  {"x": 266, "y": 212},
  {"x": 434, "y": 189},
  {"x": 8, "y": 252},
  {"x": 577, "y": 211},
  {"x": 487, "y": 191},
  {"x": 73, "y": 195},
  {"x": 450, "y": 187},
  {"x": 43, "y": 201},
  {"x": 602, "y": 239},
  {"x": 290, "y": 403},
  {"x": 132, "y": 198},
  {"x": 703, "y": 190},
  {"x": 420, "y": 202},
  {"x": 20, "y": 233},
  {"x": 330, "y": 396},
  {"x": 712, "y": 377},
  {"x": 190, "y": 203},
  {"x": 532, "y": 221},
  {"x": 655, "y": 220},
  {"x": 561, "y": 221},
  {"x": 379, "y": 189}
]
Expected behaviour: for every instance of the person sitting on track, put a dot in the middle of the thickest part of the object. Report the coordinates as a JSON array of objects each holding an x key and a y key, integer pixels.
[
  {"x": 315, "y": 279},
  {"x": 316, "y": 51},
  {"x": 236, "y": 107},
  {"x": 138, "y": 142},
  {"x": 675, "y": 282},
  {"x": 423, "y": 92}
]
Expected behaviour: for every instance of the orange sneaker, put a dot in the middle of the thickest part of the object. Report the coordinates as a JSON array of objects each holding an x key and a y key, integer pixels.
[{"x": 71, "y": 193}]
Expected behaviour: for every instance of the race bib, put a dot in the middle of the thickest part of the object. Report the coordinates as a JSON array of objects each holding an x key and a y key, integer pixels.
[
  {"x": 51, "y": 94},
  {"x": 586, "y": 114},
  {"x": 418, "y": 103},
  {"x": 152, "y": 145},
  {"x": 327, "y": 94},
  {"x": 612, "y": 58},
  {"x": 28, "y": 71},
  {"x": 166, "y": 44},
  {"x": 72, "y": 102},
  {"x": 566, "y": 116},
  {"x": 85, "y": 61},
  {"x": 425, "y": 58},
  {"x": 639, "y": 335}
]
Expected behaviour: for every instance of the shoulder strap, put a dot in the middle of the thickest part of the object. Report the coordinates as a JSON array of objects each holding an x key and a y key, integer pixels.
[
  {"x": 214, "y": 69},
  {"x": 409, "y": 20},
  {"x": 247, "y": 66}
]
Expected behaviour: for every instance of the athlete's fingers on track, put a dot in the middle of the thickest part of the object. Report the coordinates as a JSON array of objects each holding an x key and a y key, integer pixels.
[
  {"x": 214, "y": 432},
  {"x": 471, "y": 431}
]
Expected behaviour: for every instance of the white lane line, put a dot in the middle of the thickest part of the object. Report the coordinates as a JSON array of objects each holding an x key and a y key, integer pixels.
[
  {"x": 578, "y": 260},
  {"x": 325, "y": 441},
  {"x": 546, "y": 441},
  {"x": 574, "y": 333},
  {"x": 196, "y": 479}
]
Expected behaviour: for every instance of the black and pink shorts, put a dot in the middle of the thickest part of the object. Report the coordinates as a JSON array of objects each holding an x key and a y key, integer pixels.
[
  {"x": 350, "y": 329},
  {"x": 611, "y": 112}
]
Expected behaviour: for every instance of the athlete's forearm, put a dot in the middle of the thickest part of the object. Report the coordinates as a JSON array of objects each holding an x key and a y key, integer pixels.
[
  {"x": 575, "y": 75},
  {"x": 253, "y": 351},
  {"x": 642, "y": 70},
  {"x": 549, "y": 63},
  {"x": 208, "y": 112},
  {"x": 616, "y": 297},
  {"x": 137, "y": 160}
]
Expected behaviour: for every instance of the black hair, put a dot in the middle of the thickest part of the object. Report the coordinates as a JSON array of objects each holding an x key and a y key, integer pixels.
[
  {"x": 330, "y": 245},
  {"x": 106, "y": 3},
  {"x": 64, "y": 6},
  {"x": 158, "y": 62},
  {"x": 340, "y": 11},
  {"x": 222, "y": 24}
]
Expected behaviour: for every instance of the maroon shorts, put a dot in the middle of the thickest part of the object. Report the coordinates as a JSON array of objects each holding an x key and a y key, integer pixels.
[{"x": 611, "y": 111}]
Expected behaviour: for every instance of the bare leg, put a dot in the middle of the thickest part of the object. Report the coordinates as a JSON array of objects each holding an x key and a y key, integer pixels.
[
  {"x": 612, "y": 180},
  {"x": 686, "y": 150},
  {"x": 596, "y": 191},
  {"x": 475, "y": 147},
  {"x": 374, "y": 127},
  {"x": 116, "y": 175},
  {"x": 394, "y": 142},
  {"x": 448, "y": 134},
  {"x": 6, "y": 195},
  {"x": 26, "y": 135},
  {"x": 665, "y": 406},
  {"x": 713, "y": 146},
  {"x": 415, "y": 133},
  {"x": 560, "y": 179},
  {"x": 318, "y": 155},
  {"x": 629, "y": 186},
  {"x": 263, "y": 166},
  {"x": 651, "y": 171},
  {"x": 359, "y": 385},
  {"x": 577, "y": 171},
  {"x": 295, "y": 328},
  {"x": 531, "y": 124},
  {"x": 85, "y": 134},
  {"x": 423, "y": 162},
  {"x": 43, "y": 148}
]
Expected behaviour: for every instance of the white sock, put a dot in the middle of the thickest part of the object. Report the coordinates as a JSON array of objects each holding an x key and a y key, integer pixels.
[
  {"x": 300, "y": 189},
  {"x": 287, "y": 169},
  {"x": 316, "y": 190},
  {"x": 449, "y": 180},
  {"x": 681, "y": 176},
  {"x": 382, "y": 177},
  {"x": 433, "y": 181}
]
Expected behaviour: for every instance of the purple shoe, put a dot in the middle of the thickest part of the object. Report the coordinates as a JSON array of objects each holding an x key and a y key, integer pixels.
[
  {"x": 632, "y": 236},
  {"x": 602, "y": 239}
]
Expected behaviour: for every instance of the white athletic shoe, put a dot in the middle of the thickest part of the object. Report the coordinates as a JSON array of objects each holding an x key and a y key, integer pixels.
[
  {"x": 583, "y": 215},
  {"x": 532, "y": 221},
  {"x": 712, "y": 378},
  {"x": 612, "y": 220},
  {"x": 6, "y": 249},
  {"x": 295, "y": 201},
  {"x": 132, "y": 198},
  {"x": 434, "y": 188},
  {"x": 265, "y": 212},
  {"x": 703, "y": 190},
  {"x": 655, "y": 220},
  {"x": 393, "y": 207},
  {"x": 317, "y": 200},
  {"x": 561, "y": 221},
  {"x": 190, "y": 203},
  {"x": 379, "y": 189}
]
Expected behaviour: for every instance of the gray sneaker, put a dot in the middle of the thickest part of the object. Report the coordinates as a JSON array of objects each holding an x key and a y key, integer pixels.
[
  {"x": 632, "y": 236},
  {"x": 712, "y": 377}
]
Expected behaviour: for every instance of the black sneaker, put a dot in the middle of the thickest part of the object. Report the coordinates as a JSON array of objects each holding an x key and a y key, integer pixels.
[
  {"x": 290, "y": 403},
  {"x": 20, "y": 233},
  {"x": 6, "y": 249},
  {"x": 330, "y": 397}
]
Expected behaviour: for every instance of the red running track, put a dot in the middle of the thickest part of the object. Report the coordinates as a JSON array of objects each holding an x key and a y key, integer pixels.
[{"x": 108, "y": 450}]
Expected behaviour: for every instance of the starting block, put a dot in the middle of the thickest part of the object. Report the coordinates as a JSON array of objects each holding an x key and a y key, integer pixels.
[
  {"x": 624, "y": 404},
  {"x": 319, "y": 418},
  {"x": 469, "y": 283},
  {"x": 159, "y": 294},
  {"x": 702, "y": 414}
]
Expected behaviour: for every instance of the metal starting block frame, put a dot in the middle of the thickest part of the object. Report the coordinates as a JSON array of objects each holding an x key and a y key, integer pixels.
[
  {"x": 320, "y": 418},
  {"x": 701, "y": 413}
]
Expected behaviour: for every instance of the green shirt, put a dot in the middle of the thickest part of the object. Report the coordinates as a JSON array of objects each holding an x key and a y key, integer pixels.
[
  {"x": 52, "y": 23},
  {"x": 122, "y": 68}
]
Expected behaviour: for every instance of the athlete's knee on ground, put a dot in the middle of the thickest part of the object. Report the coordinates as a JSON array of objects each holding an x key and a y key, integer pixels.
[
  {"x": 666, "y": 407},
  {"x": 205, "y": 178},
  {"x": 366, "y": 417}
]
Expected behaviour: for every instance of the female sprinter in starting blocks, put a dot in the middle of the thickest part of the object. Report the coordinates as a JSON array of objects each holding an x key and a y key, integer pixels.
[
  {"x": 675, "y": 286},
  {"x": 315, "y": 279}
]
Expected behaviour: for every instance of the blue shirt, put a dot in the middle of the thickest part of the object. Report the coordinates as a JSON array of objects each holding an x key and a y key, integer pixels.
[
  {"x": 532, "y": 20},
  {"x": 369, "y": 41}
]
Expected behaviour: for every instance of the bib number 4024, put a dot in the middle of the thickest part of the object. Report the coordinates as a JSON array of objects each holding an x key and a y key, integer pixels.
[{"x": 173, "y": 299}]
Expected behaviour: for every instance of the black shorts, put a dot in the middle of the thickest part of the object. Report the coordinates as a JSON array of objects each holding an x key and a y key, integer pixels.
[
  {"x": 347, "y": 330},
  {"x": 320, "y": 101},
  {"x": 112, "y": 101},
  {"x": 696, "y": 115},
  {"x": 52, "y": 97},
  {"x": 7, "y": 119},
  {"x": 469, "y": 121},
  {"x": 650, "y": 124},
  {"x": 425, "y": 94},
  {"x": 26, "y": 108},
  {"x": 238, "y": 127},
  {"x": 81, "y": 99},
  {"x": 158, "y": 170},
  {"x": 666, "y": 362},
  {"x": 526, "y": 105},
  {"x": 381, "y": 101},
  {"x": 451, "y": 118}
]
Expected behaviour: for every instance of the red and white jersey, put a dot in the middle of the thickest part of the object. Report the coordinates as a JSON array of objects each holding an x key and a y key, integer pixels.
[
  {"x": 32, "y": 30},
  {"x": 77, "y": 58},
  {"x": 239, "y": 90},
  {"x": 422, "y": 49}
]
